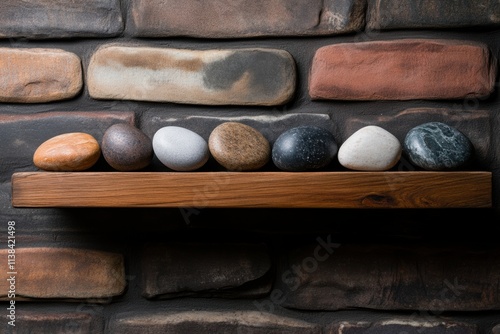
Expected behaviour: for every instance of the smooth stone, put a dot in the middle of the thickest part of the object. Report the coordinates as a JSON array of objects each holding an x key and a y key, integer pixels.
[
  {"x": 304, "y": 148},
  {"x": 239, "y": 147},
  {"x": 180, "y": 149},
  {"x": 126, "y": 148},
  {"x": 437, "y": 146},
  {"x": 370, "y": 148},
  {"x": 68, "y": 152}
]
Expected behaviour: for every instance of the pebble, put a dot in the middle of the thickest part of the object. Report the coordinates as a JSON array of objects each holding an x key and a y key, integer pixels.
[
  {"x": 68, "y": 152},
  {"x": 180, "y": 149},
  {"x": 126, "y": 148},
  {"x": 239, "y": 147},
  {"x": 371, "y": 148},
  {"x": 437, "y": 146},
  {"x": 304, "y": 148}
]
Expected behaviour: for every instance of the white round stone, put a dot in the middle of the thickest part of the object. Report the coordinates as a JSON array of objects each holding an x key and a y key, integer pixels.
[
  {"x": 371, "y": 148},
  {"x": 180, "y": 149}
]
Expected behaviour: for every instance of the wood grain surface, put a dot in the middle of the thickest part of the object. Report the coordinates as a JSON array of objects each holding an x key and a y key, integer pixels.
[{"x": 253, "y": 189}]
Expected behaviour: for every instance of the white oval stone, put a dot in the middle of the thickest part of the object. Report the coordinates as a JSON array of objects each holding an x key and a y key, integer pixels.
[
  {"x": 180, "y": 149},
  {"x": 371, "y": 148}
]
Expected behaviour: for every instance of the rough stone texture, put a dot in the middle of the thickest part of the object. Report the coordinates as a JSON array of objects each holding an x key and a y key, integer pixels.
[
  {"x": 67, "y": 152},
  {"x": 126, "y": 148},
  {"x": 64, "y": 273},
  {"x": 55, "y": 323},
  {"x": 214, "y": 77},
  {"x": 228, "y": 270},
  {"x": 20, "y": 135},
  {"x": 403, "y": 69},
  {"x": 239, "y": 147},
  {"x": 220, "y": 322},
  {"x": 392, "y": 277},
  {"x": 37, "y": 19},
  {"x": 410, "y": 14},
  {"x": 39, "y": 75},
  {"x": 399, "y": 325},
  {"x": 247, "y": 18},
  {"x": 475, "y": 124}
]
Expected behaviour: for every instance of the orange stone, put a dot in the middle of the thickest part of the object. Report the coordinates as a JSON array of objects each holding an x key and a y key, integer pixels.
[{"x": 67, "y": 152}]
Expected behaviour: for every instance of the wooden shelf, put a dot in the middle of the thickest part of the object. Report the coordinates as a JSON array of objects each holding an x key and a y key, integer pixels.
[{"x": 253, "y": 189}]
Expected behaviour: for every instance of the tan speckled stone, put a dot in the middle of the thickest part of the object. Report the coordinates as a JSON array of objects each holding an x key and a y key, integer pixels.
[
  {"x": 239, "y": 147},
  {"x": 67, "y": 152}
]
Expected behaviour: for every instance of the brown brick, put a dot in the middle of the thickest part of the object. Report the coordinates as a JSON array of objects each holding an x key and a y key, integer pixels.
[
  {"x": 435, "y": 14},
  {"x": 63, "y": 273},
  {"x": 398, "y": 325},
  {"x": 39, "y": 75},
  {"x": 220, "y": 322},
  {"x": 391, "y": 277},
  {"x": 223, "y": 270},
  {"x": 57, "y": 323},
  {"x": 215, "y": 77},
  {"x": 247, "y": 18},
  {"x": 402, "y": 70},
  {"x": 60, "y": 18}
]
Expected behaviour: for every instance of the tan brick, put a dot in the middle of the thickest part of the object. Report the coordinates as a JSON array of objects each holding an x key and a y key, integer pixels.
[
  {"x": 39, "y": 75},
  {"x": 63, "y": 273},
  {"x": 402, "y": 70},
  {"x": 245, "y": 18},
  {"x": 215, "y": 77}
]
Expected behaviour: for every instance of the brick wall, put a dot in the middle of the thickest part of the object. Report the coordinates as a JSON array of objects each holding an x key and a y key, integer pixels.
[{"x": 83, "y": 66}]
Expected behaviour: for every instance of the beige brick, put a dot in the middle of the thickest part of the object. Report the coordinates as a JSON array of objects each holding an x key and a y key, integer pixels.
[{"x": 214, "y": 77}]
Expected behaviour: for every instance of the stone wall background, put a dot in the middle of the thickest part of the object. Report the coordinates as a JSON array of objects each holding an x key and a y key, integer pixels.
[{"x": 191, "y": 270}]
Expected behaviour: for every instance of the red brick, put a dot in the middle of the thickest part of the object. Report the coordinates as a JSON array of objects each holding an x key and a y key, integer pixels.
[{"x": 402, "y": 70}]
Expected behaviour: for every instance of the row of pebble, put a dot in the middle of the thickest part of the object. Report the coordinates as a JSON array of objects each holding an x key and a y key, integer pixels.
[{"x": 239, "y": 147}]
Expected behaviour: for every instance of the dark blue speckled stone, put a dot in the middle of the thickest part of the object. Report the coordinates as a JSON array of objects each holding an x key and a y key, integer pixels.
[
  {"x": 437, "y": 146},
  {"x": 304, "y": 148}
]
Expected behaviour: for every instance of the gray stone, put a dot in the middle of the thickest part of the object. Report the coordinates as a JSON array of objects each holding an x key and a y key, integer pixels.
[
  {"x": 180, "y": 149},
  {"x": 438, "y": 146},
  {"x": 36, "y": 19},
  {"x": 435, "y": 14},
  {"x": 255, "y": 76},
  {"x": 205, "y": 270}
]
